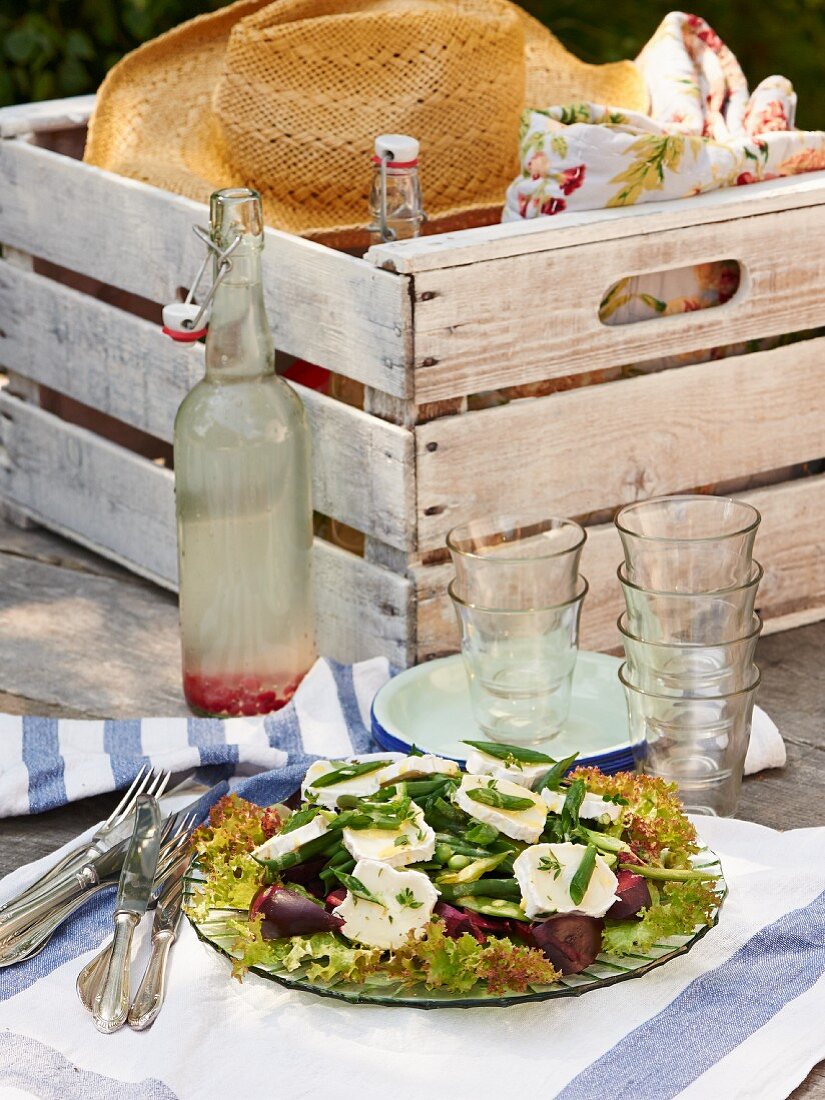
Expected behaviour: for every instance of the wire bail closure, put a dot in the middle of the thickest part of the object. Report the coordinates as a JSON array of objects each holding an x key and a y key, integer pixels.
[
  {"x": 185, "y": 321},
  {"x": 387, "y": 234}
]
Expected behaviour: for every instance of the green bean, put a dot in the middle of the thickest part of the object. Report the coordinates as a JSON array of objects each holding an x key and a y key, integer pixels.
[
  {"x": 493, "y": 907},
  {"x": 581, "y": 879},
  {"x": 572, "y": 804},
  {"x": 346, "y": 771},
  {"x": 460, "y": 847},
  {"x": 488, "y": 796},
  {"x": 341, "y": 855},
  {"x": 668, "y": 874},
  {"x": 320, "y": 846},
  {"x": 485, "y": 887},
  {"x": 329, "y": 875},
  {"x": 603, "y": 841},
  {"x": 472, "y": 870},
  {"x": 552, "y": 780},
  {"x": 510, "y": 753},
  {"x": 448, "y": 811},
  {"x": 416, "y": 788}
]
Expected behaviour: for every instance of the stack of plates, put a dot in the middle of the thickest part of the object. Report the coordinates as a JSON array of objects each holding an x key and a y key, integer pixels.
[{"x": 429, "y": 707}]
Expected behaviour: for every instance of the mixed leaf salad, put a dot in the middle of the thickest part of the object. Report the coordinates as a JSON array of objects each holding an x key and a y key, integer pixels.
[{"x": 498, "y": 879}]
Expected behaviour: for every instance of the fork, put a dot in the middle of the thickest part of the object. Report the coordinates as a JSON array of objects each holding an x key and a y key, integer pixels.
[
  {"x": 31, "y": 939},
  {"x": 147, "y": 781},
  {"x": 173, "y": 853}
]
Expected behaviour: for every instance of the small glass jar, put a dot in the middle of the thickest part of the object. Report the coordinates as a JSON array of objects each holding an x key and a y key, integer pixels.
[{"x": 395, "y": 197}]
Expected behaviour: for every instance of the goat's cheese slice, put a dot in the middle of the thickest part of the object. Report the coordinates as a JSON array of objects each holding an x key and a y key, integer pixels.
[
  {"x": 524, "y": 824},
  {"x": 360, "y": 786},
  {"x": 593, "y": 807},
  {"x": 412, "y": 843},
  {"x": 282, "y": 843},
  {"x": 544, "y": 873},
  {"x": 404, "y": 904},
  {"x": 418, "y": 767},
  {"x": 526, "y": 775}
]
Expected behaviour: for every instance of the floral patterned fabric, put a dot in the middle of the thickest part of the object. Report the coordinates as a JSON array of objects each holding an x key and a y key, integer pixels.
[{"x": 704, "y": 131}]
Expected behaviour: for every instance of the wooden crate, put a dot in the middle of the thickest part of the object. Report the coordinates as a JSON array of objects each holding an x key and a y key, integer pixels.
[{"x": 424, "y": 325}]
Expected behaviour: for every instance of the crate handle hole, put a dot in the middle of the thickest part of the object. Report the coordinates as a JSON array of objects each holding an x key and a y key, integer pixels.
[{"x": 653, "y": 295}]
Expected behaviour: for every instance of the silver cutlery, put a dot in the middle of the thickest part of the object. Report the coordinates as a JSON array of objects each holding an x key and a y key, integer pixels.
[
  {"x": 152, "y": 989},
  {"x": 174, "y": 851},
  {"x": 31, "y": 940},
  {"x": 27, "y": 942},
  {"x": 74, "y": 887},
  {"x": 113, "y": 829},
  {"x": 111, "y": 1001}
]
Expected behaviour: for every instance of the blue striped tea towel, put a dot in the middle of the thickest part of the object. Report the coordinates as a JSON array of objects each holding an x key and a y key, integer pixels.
[
  {"x": 737, "y": 1018},
  {"x": 47, "y": 762}
]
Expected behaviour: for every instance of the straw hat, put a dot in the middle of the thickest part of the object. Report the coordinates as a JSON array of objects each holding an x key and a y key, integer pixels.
[{"x": 288, "y": 97}]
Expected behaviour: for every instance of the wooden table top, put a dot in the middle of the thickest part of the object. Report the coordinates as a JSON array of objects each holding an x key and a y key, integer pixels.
[{"x": 80, "y": 637}]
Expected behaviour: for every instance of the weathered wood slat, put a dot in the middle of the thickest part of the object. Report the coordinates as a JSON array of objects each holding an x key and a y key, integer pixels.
[
  {"x": 790, "y": 546},
  {"x": 532, "y": 317},
  {"x": 363, "y": 469},
  {"x": 52, "y": 114},
  {"x": 333, "y": 309},
  {"x": 122, "y": 506},
  {"x": 491, "y": 242},
  {"x": 600, "y": 446}
]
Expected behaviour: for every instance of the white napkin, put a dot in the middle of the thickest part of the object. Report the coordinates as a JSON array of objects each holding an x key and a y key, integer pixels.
[
  {"x": 766, "y": 748},
  {"x": 737, "y": 1017}
]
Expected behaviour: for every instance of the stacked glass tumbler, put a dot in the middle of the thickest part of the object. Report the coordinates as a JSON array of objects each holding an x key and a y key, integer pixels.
[
  {"x": 690, "y": 633},
  {"x": 517, "y": 594}
]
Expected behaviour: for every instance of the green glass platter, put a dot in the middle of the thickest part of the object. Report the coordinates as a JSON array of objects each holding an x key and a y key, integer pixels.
[{"x": 606, "y": 970}]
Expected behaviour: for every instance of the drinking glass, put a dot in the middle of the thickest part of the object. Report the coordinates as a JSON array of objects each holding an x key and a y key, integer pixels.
[
  {"x": 520, "y": 666},
  {"x": 699, "y": 617},
  {"x": 698, "y": 743},
  {"x": 516, "y": 563},
  {"x": 688, "y": 543},
  {"x": 690, "y": 668}
]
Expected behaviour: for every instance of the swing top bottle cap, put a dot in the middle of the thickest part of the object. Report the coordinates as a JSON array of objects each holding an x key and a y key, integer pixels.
[
  {"x": 177, "y": 322},
  {"x": 402, "y": 150}
]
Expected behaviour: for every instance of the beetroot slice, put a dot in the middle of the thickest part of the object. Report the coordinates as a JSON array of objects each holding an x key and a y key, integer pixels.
[
  {"x": 459, "y": 921},
  {"x": 287, "y": 913},
  {"x": 633, "y": 893},
  {"x": 335, "y": 897},
  {"x": 571, "y": 941}
]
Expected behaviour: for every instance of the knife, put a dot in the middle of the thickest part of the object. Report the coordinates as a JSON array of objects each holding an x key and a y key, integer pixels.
[
  {"x": 149, "y": 998},
  {"x": 111, "y": 1002}
]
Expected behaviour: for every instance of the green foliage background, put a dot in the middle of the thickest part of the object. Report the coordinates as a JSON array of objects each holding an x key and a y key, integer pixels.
[{"x": 52, "y": 48}]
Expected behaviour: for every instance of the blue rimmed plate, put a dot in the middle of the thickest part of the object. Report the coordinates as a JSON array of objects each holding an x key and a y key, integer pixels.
[{"x": 429, "y": 706}]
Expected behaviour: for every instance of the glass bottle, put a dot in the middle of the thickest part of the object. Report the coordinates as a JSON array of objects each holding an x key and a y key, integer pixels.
[{"x": 243, "y": 497}]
